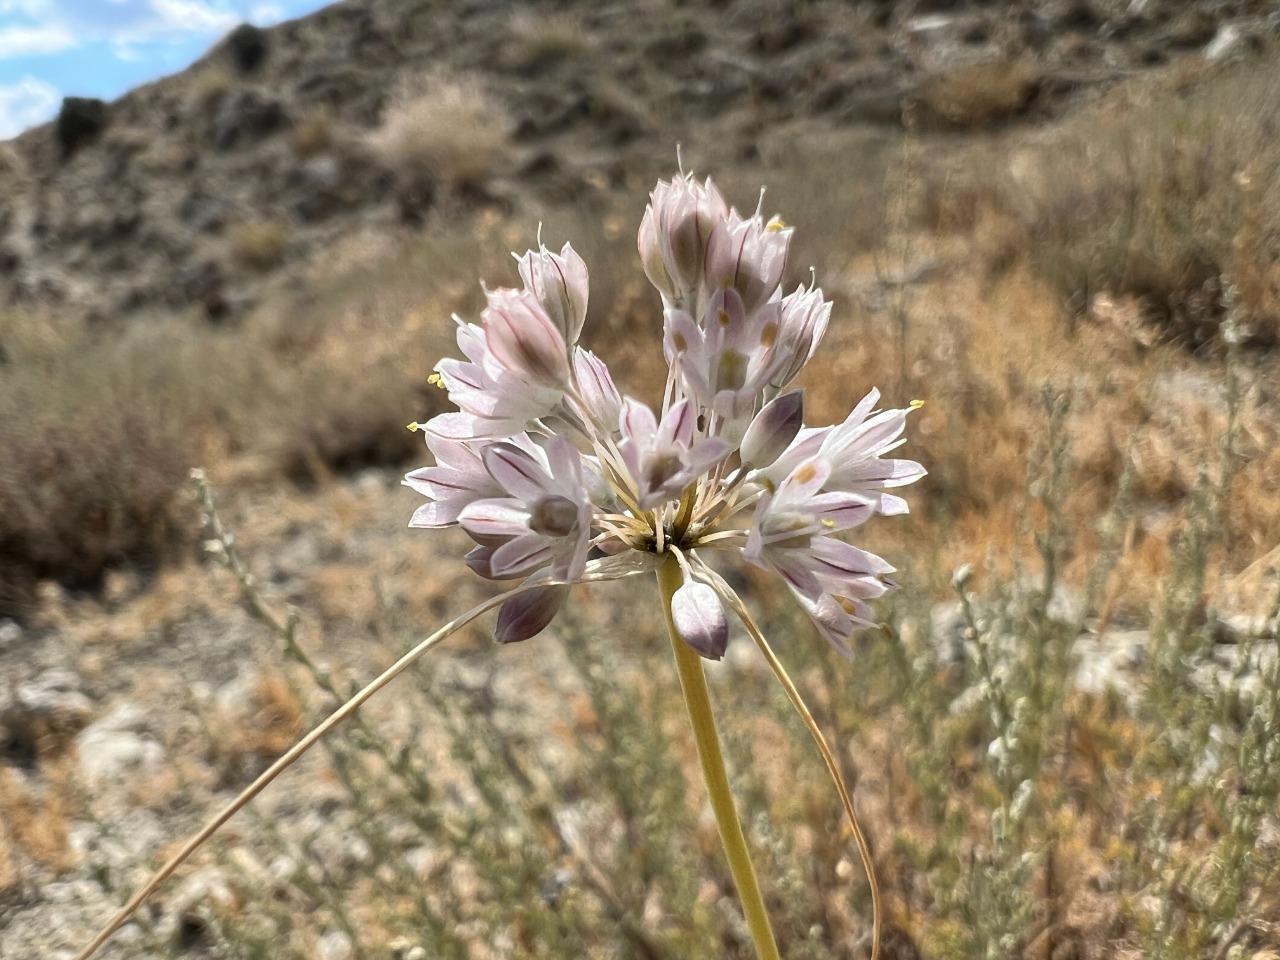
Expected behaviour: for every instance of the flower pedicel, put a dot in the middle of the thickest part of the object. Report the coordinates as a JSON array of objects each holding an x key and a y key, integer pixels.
[{"x": 558, "y": 479}]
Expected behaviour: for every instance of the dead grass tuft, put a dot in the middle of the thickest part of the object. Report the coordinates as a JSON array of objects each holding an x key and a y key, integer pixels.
[
  {"x": 978, "y": 95},
  {"x": 34, "y": 826},
  {"x": 260, "y": 244},
  {"x": 93, "y": 463},
  {"x": 314, "y": 134},
  {"x": 542, "y": 42},
  {"x": 1164, "y": 195},
  {"x": 448, "y": 131}
]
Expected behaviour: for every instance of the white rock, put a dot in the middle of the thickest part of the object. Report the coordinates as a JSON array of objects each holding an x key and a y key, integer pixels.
[
  {"x": 10, "y": 633},
  {"x": 334, "y": 945},
  {"x": 117, "y": 746},
  {"x": 50, "y": 703},
  {"x": 1226, "y": 43}
]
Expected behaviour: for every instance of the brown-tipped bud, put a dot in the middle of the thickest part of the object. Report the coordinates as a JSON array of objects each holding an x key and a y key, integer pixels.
[
  {"x": 529, "y": 614},
  {"x": 699, "y": 619},
  {"x": 674, "y": 233},
  {"x": 559, "y": 283},
  {"x": 748, "y": 256},
  {"x": 773, "y": 429},
  {"x": 524, "y": 340}
]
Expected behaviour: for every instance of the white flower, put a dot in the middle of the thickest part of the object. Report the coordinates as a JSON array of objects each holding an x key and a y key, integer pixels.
[{"x": 545, "y": 461}]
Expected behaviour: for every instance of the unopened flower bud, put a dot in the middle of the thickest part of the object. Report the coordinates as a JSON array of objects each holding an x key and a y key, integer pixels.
[
  {"x": 559, "y": 283},
  {"x": 749, "y": 256},
  {"x": 804, "y": 318},
  {"x": 674, "y": 233},
  {"x": 524, "y": 339},
  {"x": 699, "y": 619},
  {"x": 529, "y": 614},
  {"x": 596, "y": 388},
  {"x": 773, "y": 429}
]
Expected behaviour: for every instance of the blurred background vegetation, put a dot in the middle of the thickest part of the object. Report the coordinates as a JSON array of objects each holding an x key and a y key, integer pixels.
[{"x": 1064, "y": 741}]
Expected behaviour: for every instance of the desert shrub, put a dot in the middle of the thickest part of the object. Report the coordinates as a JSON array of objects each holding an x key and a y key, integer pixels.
[
  {"x": 208, "y": 88},
  {"x": 979, "y": 94},
  {"x": 445, "y": 130},
  {"x": 314, "y": 134},
  {"x": 259, "y": 243},
  {"x": 95, "y": 454},
  {"x": 1167, "y": 196},
  {"x": 542, "y": 41}
]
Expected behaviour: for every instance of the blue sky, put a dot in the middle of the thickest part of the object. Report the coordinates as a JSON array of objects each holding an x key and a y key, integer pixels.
[{"x": 102, "y": 48}]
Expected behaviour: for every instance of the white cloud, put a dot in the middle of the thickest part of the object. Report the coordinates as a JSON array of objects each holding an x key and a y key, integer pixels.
[
  {"x": 266, "y": 14},
  {"x": 21, "y": 41},
  {"x": 26, "y": 103},
  {"x": 55, "y": 25}
]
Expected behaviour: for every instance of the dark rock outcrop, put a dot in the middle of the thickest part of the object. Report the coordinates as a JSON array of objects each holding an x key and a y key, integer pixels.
[{"x": 79, "y": 122}]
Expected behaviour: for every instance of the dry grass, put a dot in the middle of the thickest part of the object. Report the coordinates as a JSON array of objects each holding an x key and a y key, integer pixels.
[
  {"x": 1166, "y": 191},
  {"x": 246, "y": 736},
  {"x": 260, "y": 244},
  {"x": 446, "y": 130},
  {"x": 314, "y": 134},
  {"x": 978, "y": 95},
  {"x": 92, "y": 466},
  {"x": 34, "y": 824},
  {"x": 542, "y": 42}
]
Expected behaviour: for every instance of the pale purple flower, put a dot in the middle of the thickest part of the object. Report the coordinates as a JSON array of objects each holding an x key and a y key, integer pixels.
[
  {"x": 727, "y": 364},
  {"x": 597, "y": 398},
  {"x": 791, "y": 534},
  {"x": 546, "y": 464},
  {"x": 855, "y": 453},
  {"x": 805, "y": 314},
  {"x": 458, "y": 479},
  {"x": 529, "y": 614},
  {"x": 493, "y": 399},
  {"x": 664, "y": 458},
  {"x": 546, "y": 518}
]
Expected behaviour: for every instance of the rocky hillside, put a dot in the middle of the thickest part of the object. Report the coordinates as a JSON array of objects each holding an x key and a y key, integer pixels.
[{"x": 188, "y": 193}]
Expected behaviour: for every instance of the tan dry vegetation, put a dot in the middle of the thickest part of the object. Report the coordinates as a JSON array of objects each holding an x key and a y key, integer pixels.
[
  {"x": 314, "y": 134},
  {"x": 978, "y": 95},
  {"x": 444, "y": 129},
  {"x": 1164, "y": 190},
  {"x": 542, "y": 42},
  {"x": 35, "y": 822},
  {"x": 314, "y": 385},
  {"x": 260, "y": 244}
]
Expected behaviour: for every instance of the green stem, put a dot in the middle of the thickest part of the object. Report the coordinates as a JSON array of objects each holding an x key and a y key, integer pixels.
[{"x": 693, "y": 683}]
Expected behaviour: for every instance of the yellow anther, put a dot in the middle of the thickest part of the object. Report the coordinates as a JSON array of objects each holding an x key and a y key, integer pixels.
[
  {"x": 775, "y": 224},
  {"x": 828, "y": 523},
  {"x": 436, "y": 381},
  {"x": 723, "y": 316},
  {"x": 413, "y": 427},
  {"x": 916, "y": 404}
]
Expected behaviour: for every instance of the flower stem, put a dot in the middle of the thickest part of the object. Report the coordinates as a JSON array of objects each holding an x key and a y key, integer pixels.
[{"x": 693, "y": 683}]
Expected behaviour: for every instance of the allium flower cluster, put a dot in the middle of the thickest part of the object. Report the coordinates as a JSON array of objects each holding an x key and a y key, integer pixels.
[{"x": 558, "y": 478}]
